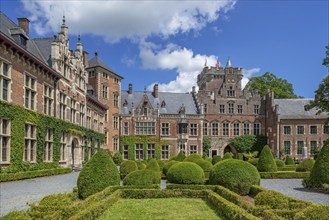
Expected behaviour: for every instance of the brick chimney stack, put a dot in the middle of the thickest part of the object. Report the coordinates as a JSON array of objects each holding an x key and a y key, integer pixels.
[
  {"x": 24, "y": 24},
  {"x": 85, "y": 55},
  {"x": 156, "y": 91},
  {"x": 130, "y": 90}
]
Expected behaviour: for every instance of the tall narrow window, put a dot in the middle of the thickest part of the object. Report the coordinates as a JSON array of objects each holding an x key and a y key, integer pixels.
[
  {"x": 287, "y": 147},
  {"x": 214, "y": 129},
  {"x": 126, "y": 128},
  {"x": 182, "y": 148},
  {"x": 95, "y": 121},
  {"x": 193, "y": 129},
  {"x": 82, "y": 114},
  {"x": 47, "y": 100},
  {"x": 313, "y": 147},
  {"x": 221, "y": 109},
  {"x": 246, "y": 128},
  {"x": 326, "y": 129},
  {"x": 30, "y": 143},
  {"x": 256, "y": 109},
  {"x": 115, "y": 122},
  {"x": 164, "y": 152},
  {"x": 165, "y": 129},
  {"x": 286, "y": 129},
  {"x": 48, "y": 149},
  {"x": 205, "y": 109},
  {"x": 62, "y": 150},
  {"x": 230, "y": 108},
  {"x": 4, "y": 140},
  {"x": 30, "y": 92},
  {"x": 205, "y": 128},
  {"x": 150, "y": 151},
  {"x": 105, "y": 91},
  {"x": 139, "y": 152},
  {"x": 240, "y": 109},
  {"x": 193, "y": 149},
  {"x": 300, "y": 145},
  {"x": 256, "y": 129},
  {"x": 225, "y": 129},
  {"x": 115, "y": 100},
  {"x": 230, "y": 92},
  {"x": 88, "y": 118},
  {"x": 62, "y": 106},
  {"x": 73, "y": 110},
  {"x": 300, "y": 129},
  {"x": 236, "y": 130},
  {"x": 125, "y": 152},
  {"x": 5, "y": 79},
  {"x": 115, "y": 144}
]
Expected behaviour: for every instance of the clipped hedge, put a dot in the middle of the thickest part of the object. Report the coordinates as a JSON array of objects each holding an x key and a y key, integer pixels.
[
  {"x": 5, "y": 177},
  {"x": 19, "y": 215},
  {"x": 185, "y": 173},
  {"x": 97, "y": 174},
  {"x": 216, "y": 159},
  {"x": 193, "y": 158},
  {"x": 168, "y": 165},
  {"x": 255, "y": 189},
  {"x": 142, "y": 178},
  {"x": 153, "y": 165},
  {"x": 126, "y": 167},
  {"x": 287, "y": 168},
  {"x": 235, "y": 175},
  {"x": 313, "y": 212},
  {"x": 206, "y": 166},
  {"x": 306, "y": 165},
  {"x": 284, "y": 175},
  {"x": 266, "y": 162}
]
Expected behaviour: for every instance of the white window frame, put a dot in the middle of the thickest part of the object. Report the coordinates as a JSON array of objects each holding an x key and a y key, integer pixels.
[
  {"x": 7, "y": 78},
  {"x": 5, "y": 138},
  {"x": 30, "y": 92}
]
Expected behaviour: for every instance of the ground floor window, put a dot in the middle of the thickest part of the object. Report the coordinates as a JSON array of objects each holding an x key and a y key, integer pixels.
[
  {"x": 125, "y": 152},
  {"x": 300, "y": 145},
  {"x": 4, "y": 140},
  {"x": 313, "y": 147},
  {"x": 30, "y": 143},
  {"x": 139, "y": 152},
  {"x": 193, "y": 149},
  {"x": 48, "y": 149},
  {"x": 182, "y": 148},
  {"x": 115, "y": 143},
  {"x": 151, "y": 151},
  {"x": 287, "y": 147},
  {"x": 165, "y": 152},
  {"x": 62, "y": 150}
]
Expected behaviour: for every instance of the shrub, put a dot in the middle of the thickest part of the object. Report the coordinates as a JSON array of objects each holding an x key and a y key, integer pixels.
[
  {"x": 266, "y": 162},
  {"x": 240, "y": 156},
  {"x": 153, "y": 165},
  {"x": 98, "y": 173},
  {"x": 305, "y": 165},
  {"x": 284, "y": 175},
  {"x": 193, "y": 158},
  {"x": 181, "y": 156},
  {"x": 140, "y": 165},
  {"x": 185, "y": 173},
  {"x": 127, "y": 167},
  {"x": 117, "y": 158},
  {"x": 16, "y": 215},
  {"x": 142, "y": 178},
  {"x": 274, "y": 200},
  {"x": 289, "y": 161},
  {"x": 228, "y": 155},
  {"x": 254, "y": 161},
  {"x": 208, "y": 159},
  {"x": 313, "y": 212},
  {"x": 279, "y": 163},
  {"x": 168, "y": 165},
  {"x": 235, "y": 175},
  {"x": 205, "y": 165},
  {"x": 161, "y": 164},
  {"x": 216, "y": 159},
  {"x": 320, "y": 172}
]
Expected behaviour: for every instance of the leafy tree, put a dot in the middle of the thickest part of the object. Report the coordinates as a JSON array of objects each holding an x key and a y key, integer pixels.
[
  {"x": 243, "y": 143},
  {"x": 282, "y": 88},
  {"x": 206, "y": 146}
]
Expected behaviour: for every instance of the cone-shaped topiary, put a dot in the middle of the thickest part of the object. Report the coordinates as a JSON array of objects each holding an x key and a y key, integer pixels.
[
  {"x": 236, "y": 175},
  {"x": 320, "y": 172},
  {"x": 153, "y": 165},
  {"x": 289, "y": 161},
  {"x": 193, "y": 158},
  {"x": 266, "y": 162},
  {"x": 97, "y": 174},
  {"x": 185, "y": 173},
  {"x": 306, "y": 165},
  {"x": 216, "y": 159},
  {"x": 181, "y": 156},
  {"x": 142, "y": 178},
  {"x": 168, "y": 165},
  {"x": 127, "y": 167},
  {"x": 228, "y": 155}
]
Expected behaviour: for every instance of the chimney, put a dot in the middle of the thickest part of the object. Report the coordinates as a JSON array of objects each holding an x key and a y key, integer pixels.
[
  {"x": 24, "y": 24},
  {"x": 130, "y": 91},
  {"x": 85, "y": 58},
  {"x": 156, "y": 91}
]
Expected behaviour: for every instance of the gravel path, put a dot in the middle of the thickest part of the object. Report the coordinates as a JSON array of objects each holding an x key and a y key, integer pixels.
[
  {"x": 294, "y": 188},
  {"x": 15, "y": 195}
]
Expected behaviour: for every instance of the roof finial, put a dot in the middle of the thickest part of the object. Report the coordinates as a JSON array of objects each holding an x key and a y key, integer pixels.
[
  {"x": 228, "y": 64},
  {"x": 79, "y": 38},
  {"x": 63, "y": 19},
  {"x": 217, "y": 65},
  {"x": 96, "y": 53},
  {"x": 205, "y": 62}
]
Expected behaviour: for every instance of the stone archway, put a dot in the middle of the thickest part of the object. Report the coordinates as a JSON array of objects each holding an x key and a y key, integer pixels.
[
  {"x": 230, "y": 149},
  {"x": 74, "y": 152}
]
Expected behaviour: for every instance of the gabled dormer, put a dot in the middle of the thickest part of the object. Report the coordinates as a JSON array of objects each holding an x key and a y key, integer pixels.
[{"x": 145, "y": 108}]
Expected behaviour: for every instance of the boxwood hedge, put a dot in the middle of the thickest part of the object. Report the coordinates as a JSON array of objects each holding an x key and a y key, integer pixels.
[{"x": 185, "y": 173}]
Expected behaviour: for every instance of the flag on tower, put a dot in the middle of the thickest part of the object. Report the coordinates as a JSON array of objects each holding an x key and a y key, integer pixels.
[{"x": 217, "y": 65}]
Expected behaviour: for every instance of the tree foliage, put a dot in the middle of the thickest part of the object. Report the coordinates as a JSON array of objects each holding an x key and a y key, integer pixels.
[
  {"x": 206, "y": 146},
  {"x": 282, "y": 88},
  {"x": 243, "y": 143}
]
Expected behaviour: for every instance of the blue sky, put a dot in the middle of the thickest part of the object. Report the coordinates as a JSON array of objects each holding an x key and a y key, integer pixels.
[{"x": 168, "y": 42}]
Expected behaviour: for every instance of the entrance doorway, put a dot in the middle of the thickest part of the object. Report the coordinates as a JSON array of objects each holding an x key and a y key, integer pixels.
[
  {"x": 230, "y": 149},
  {"x": 213, "y": 153},
  {"x": 74, "y": 146}
]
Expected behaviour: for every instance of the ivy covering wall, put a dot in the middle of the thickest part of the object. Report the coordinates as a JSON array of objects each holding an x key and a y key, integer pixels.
[
  {"x": 18, "y": 116},
  {"x": 132, "y": 140}
]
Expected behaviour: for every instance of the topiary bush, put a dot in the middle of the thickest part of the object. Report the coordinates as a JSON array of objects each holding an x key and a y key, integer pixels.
[
  {"x": 216, "y": 159},
  {"x": 279, "y": 163},
  {"x": 185, "y": 173},
  {"x": 313, "y": 212},
  {"x": 161, "y": 164},
  {"x": 205, "y": 165},
  {"x": 168, "y": 165},
  {"x": 97, "y": 174},
  {"x": 289, "y": 161},
  {"x": 127, "y": 167},
  {"x": 153, "y": 165},
  {"x": 274, "y": 200},
  {"x": 266, "y": 162},
  {"x": 181, "y": 156},
  {"x": 306, "y": 165},
  {"x": 208, "y": 159},
  {"x": 254, "y": 161},
  {"x": 142, "y": 178},
  {"x": 235, "y": 175},
  {"x": 117, "y": 158},
  {"x": 140, "y": 165},
  {"x": 228, "y": 155},
  {"x": 320, "y": 172},
  {"x": 193, "y": 158}
]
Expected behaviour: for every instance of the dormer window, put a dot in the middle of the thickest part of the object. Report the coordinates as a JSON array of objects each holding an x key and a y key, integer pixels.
[{"x": 145, "y": 111}]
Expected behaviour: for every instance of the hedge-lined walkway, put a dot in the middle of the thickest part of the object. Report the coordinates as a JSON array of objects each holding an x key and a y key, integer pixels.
[
  {"x": 15, "y": 195},
  {"x": 295, "y": 189}
]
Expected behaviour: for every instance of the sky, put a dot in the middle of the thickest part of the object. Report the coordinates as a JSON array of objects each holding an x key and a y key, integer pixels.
[{"x": 168, "y": 42}]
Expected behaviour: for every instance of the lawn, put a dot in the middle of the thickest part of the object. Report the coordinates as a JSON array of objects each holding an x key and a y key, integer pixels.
[{"x": 168, "y": 208}]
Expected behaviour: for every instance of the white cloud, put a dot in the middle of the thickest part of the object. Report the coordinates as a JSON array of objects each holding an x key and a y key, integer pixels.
[
  {"x": 247, "y": 74},
  {"x": 187, "y": 64},
  {"x": 114, "y": 20}
]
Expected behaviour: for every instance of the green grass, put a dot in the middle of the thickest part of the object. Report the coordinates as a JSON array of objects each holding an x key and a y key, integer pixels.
[{"x": 168, "y": 208}]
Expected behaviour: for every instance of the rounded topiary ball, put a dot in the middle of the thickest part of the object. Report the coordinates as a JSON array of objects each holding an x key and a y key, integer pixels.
[
  {"x": 306, "y": 165},
  {"x": 205, "y": 165},
  {"x": 97, "y": 174},
  {"x": 161, "y": 164},
  {"x": 181, "y": 156},
  {"x": 140, "y": 165},
  {"x": 185, "y": 173},
  {"x": 279, "y": 163},
  {"x": 289, "y": 161},
  {"x": 266, "y": 162},
  {"x": 127, "y": 167},
  {"x": 228, "y": 155},
  {"x": 216, "y": 159},
  {"x": 193, "y": 158},
  {"x": 153, "y": 165},
  {"x": 142, "y": 178},
  {"x": 236, "y": 175},
  {"x": 168, "y": 165}
]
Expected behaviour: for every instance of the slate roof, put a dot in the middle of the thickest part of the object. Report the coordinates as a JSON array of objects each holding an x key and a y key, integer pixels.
[
  {"x": 97, "y": 62},
  {"x": 295, "y": 109},
  {"x": 169, "y": 103}
]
